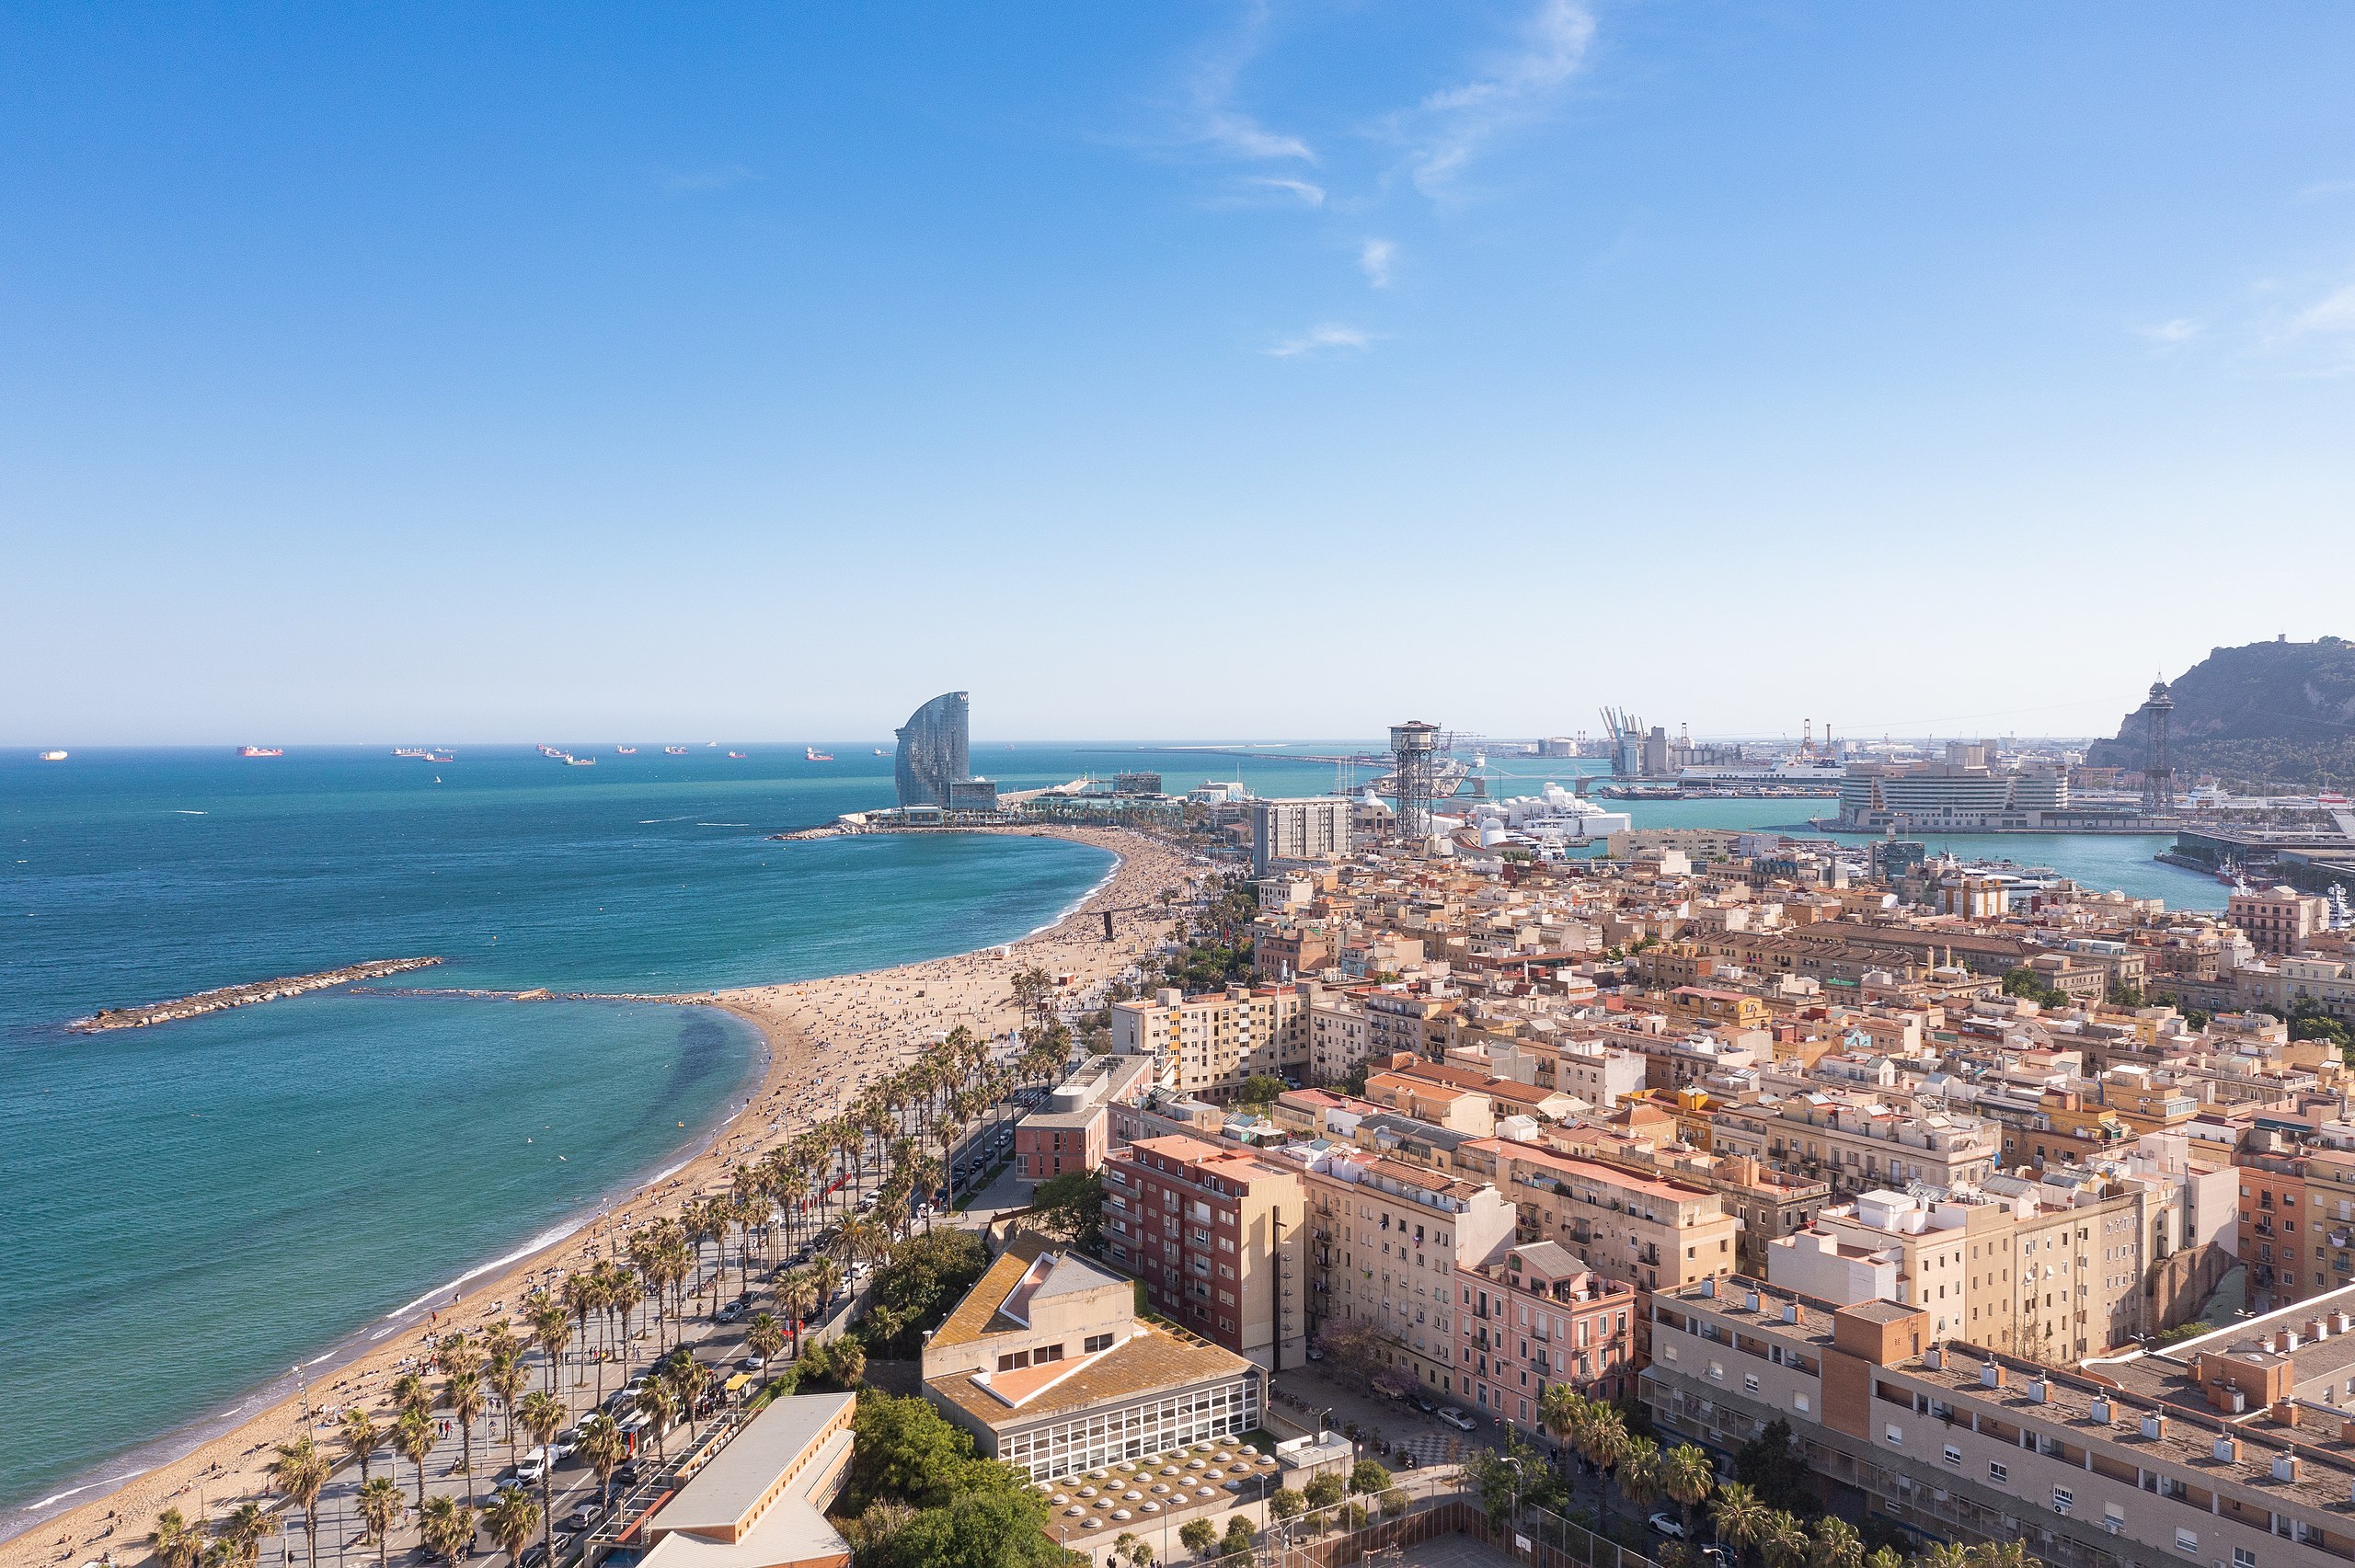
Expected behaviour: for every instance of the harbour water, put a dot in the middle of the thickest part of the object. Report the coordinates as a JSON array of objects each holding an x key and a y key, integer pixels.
[{"x": 199, "y": 1208}]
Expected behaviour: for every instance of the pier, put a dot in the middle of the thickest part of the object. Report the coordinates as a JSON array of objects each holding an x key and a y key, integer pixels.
[{"x": 226, "y": 997}]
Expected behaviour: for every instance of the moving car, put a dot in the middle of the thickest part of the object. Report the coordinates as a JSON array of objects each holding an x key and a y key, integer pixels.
[
  {"x": 532, "y": 1466},
  {"x": 1667, "y": 1525},
  {"x": 584, "y": 1516},
  {"x": 1457, "y": 1419}
]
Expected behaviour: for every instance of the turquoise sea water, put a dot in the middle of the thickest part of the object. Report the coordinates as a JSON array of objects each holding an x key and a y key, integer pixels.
[{"x": 194, "y": 1209}]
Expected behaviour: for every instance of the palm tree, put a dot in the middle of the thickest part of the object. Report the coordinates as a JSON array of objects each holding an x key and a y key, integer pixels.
[
  {"x": 688, "y": 1376},
  {"x": 1602, "y": 1441},
  {"x": 447, "y": 1527},
  {"x": 580, "y": 1294},
  {"x": 1785, "y": 1543},
  {"x": 603, "y": 1445},
  {"x": 505, "y": 1378},
  {"x": 826, "y": 1275},
  {"x": 1836, "y": 1544},
  {"x": 178, "y": 1543},
  {"x": 382, "y": 1507},
  {"x": 361, "y": 1438},
  {"x": 1639, "y": 1472},
  {"x": 1741, "y": 1519},
  {"x": 413, "y": 1440},
  {"x": 766, "y": 1338},
  {"x": 247, "y": 1526},
  {"x": 2000, "y": 1554},
  {"x": 513, "y": 1516},
  {"x": 410, "y": 1393},
  {"x": 464, "y": 1392},
  {"x": 1688, "y": 1477},
  {"x": 659, "y": 1403},
  {"x": 544, "y": 1415},
  {"x": 1561, "y": 1409},
  {"x": 551, "y": 1323},
  {"x": 1943, "y": 1554},
  {"x": 299, "y": 1471},
  {"x": 794, "y": 1298},
  {"x": 846, "y": 1363}
]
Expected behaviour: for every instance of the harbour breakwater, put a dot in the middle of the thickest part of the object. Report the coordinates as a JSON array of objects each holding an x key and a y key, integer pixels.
[
  {"x": 225, "y": 997},
  {"x": 542, "y": 993}
]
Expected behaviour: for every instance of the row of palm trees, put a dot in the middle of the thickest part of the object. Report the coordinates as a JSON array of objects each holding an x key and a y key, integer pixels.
[
  {"x": 893, "y": 1127},
  {"x": 1647, "y": 1474}
]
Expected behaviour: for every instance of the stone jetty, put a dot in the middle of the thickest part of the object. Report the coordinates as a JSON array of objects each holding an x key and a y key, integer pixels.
[{"x": 241, "y": 996}]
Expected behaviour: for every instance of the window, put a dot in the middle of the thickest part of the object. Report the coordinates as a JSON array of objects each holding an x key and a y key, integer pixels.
[
  {"x": 1953, "y": 1455},
  {"x": 1891, "y": 1432},
  {"x": 1798, "y": 1402},
  {"x": 1749, "y": 1383},
  {"x": 1095, "y": 1341},
  {"x": 1998, "y": 1472},
  {"x": 2244, "y": 1558},
  {"x": 2064, "y": 1499},
  {"x": 2187, "y": 1540}
]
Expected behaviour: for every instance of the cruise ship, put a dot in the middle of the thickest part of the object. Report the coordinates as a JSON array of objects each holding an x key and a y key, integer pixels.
[
  {"x": 675, "y": 750},
  {"x": 625, "y": 750},
  {"x": 52, "y": 756},
  {"x": 261, "y": 751},
  {"x": 811, "y": 754},
  {"x": 580, "y": 761}
]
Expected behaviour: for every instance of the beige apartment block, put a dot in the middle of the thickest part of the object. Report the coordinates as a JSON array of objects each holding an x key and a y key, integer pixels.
[
  {"x": 1858, "y": 1144},
  {"x": 1389, "y": 1243},
  {"x": 2210, "y": 1452},
  {"x": 1654, "y": 1235},
  {"x": 1209, "y": 1045}
]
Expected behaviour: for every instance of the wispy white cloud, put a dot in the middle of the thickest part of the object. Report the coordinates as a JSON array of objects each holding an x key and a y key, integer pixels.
[
  {"x": 2168, "y": 333},
  {"x": 1449, "y": 128},
  {"x": 1311, "y": 193},
  {"x": 2323, "y": 189},
  {"x": 2332, "y": 314},
  {"x": 1324, "y": 335},
  {"x": 1217, "y": 122},
  {"x": 1373, "y": 259},
  {"x": 718, "y": 177}
]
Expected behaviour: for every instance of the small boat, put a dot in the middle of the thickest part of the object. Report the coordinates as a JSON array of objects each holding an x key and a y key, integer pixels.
[
  {"x": 882, "y": 751},
  {"x": 437, "y": 778},
  {"x": 675, "y": 750},
  {"x": 580, "y": 761},
  {"x": 813, "y": 754},
  {"x": 261, "y": 751},
  {"x": 625, "y": 750},
  {"x": 739, "y": 754},
  {"x": 52, "y": 756}
]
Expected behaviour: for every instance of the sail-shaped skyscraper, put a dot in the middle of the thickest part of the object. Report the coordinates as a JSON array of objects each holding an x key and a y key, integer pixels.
[{"x": 935, "y": 750}]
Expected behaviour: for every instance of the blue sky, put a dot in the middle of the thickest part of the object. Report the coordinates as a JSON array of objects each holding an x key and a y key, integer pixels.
[{"x": 1211, "y": 371}]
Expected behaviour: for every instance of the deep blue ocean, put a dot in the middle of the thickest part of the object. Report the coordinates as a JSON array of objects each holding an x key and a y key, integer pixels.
[{"x": 195, "y": 1210}]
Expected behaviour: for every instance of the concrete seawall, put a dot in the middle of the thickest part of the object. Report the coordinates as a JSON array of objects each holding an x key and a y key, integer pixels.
[{"x": 226, "y": 997}]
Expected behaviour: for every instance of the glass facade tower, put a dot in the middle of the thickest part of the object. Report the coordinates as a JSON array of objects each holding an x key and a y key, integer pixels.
[{"x": 934, "y": 750}]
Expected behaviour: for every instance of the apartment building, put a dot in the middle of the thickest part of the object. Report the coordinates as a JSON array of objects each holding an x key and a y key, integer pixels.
[
  {"x": 2277, "y": 1227},
  {"x": 1654, "y": 1235},
  {"x": 1072, "y": 1131},
  {"x": 1596, "y": 1072},
  {"x": 1209, "y": 1045},
  {"x": 1338, "y": 1037},
  {"x": 2279, "y": 919},
  {"x": 1540, "y": 1316},
  {"x": 2211, "y": 1452},
  {"x": 1858, "y": 1144},
  {"x": 2031, "y": 1271},
  {"x": 1216, "y": 1235},
  {"x": 1389, "y": 1245},
  {"x": 1291, "y": 830}
]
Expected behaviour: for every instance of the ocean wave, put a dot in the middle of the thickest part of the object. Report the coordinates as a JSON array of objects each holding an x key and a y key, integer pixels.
[{"x": 547, "y": 1238}]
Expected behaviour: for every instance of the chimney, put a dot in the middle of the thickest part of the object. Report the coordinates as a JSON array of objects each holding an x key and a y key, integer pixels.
[
  {"x": 2227, "y": 1450},
  {"x": 2318, "y": 1329},
  {"x": 2289, "y": 1341},
  {"x": 2338, "y": 1322},
  {"x": 2284, "y": 1411},
  {"x": 2154, "y": 1425},
  {"x": 2239, "y": 1400}
]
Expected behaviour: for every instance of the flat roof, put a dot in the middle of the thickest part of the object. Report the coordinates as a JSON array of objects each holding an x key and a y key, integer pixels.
[
  {"x": 743, "y": 1471},
  {"x": 1149, "y": 1360}
]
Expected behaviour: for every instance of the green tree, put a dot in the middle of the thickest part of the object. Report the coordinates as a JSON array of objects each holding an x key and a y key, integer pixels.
[
  {"x": 1740, "y": 1519},
  {"x": 1199, "y": 1535},
  {"x": 382, "y": 1507},
  {"x": 998, "y": 1523},
  {"x": 1286, "y": 1504},
  {"x": 447, "y": 1529},
  {"x": 1325, "y": 1491},
  {"x": 511, "y": 1517},
  {"x": 905, "y": 1449},
  {"x": 543, "y": 1415},
  {"x": 1771, "y": 1465},
  {"x": 1366, "y": 1475},
  {"x": 603, "y": 1445},
  {"x": 361, "y": 1438},
  {"x": 1687, "y": 1478},
  {"x": 1234, "y": 1551},
  {"x": 247, "y": 1526},
  {"x": 300, "y": 1469},
  {"x": 1784, "y": 1542},
  {"x": 1071, "y": 1208},
  {"x": 1260, "y": 1090},
  {"x": 176, "y": 1542},
  {"x": 413, "y": 1440},
  {"x": 1835, "y": 1544}
]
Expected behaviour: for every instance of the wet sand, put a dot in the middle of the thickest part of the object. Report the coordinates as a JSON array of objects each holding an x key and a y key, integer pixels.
[{"x": 826, "y": 1039}]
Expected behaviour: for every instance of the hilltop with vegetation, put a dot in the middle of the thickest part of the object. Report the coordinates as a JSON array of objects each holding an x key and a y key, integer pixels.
[{"x": 2276, "y": 714}]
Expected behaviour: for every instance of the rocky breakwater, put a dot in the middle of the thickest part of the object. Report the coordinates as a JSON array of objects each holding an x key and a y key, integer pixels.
[{"x": 241, "y": 996}]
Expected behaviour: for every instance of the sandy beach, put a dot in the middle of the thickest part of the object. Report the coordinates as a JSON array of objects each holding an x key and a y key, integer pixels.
[{"x": 826, "y": 1038}]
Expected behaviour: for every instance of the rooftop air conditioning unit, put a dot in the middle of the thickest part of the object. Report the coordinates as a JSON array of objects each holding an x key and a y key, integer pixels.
[
  {"x": 1934, "y": 1358},
  {"x": 1991, "y": 1376},
  {"x": 2289, "y": 1340},
  {"x": 1790, "y": 1311},
  {"x": 2154, "y": 1425},
  {"x": 2101, "y": 1409},
  {"x": 2040, "y": 1391},
  {"x": 1750, "y": 1300},
  {"x": 2227, "y": 1450},
  {"x": 2285, "y": 1467}
]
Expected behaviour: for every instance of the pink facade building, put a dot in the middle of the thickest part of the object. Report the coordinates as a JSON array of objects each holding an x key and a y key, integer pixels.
[{"x": 1536, "y": 1317}]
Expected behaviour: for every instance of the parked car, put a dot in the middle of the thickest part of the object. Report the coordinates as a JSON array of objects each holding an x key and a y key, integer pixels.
[
  {"x": 584, "y": 1516},
  {"x": 532, "y": 1468},
  {"x": 752, "y": 1364},
  {"x": 1667, "y": 1525},
  {"x": 1457, "y": 1419},
  {"x": 626, "y": 1476},
  {"x": 1426, "y": 1406},
  {"x": 1315, "y": 1353},
  {"x": 567, "y": 1441},
  {"x": 534, "y": 1556}
]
